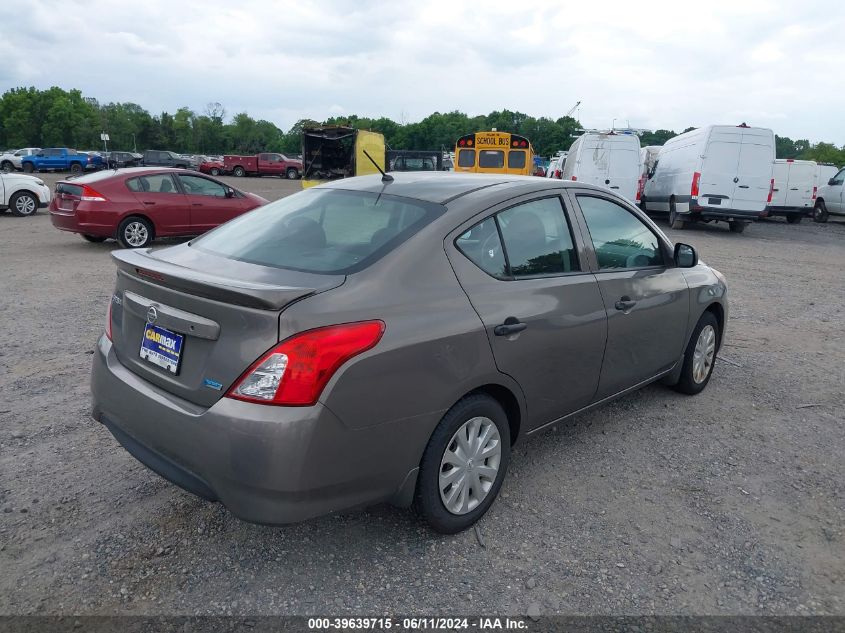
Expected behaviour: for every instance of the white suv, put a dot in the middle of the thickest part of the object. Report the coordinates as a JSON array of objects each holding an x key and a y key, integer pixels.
[
  {"x": 22, "y": 194},
  {"x": 11, "y": 161}
]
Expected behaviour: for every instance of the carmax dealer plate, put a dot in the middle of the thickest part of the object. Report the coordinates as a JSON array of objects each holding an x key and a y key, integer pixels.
[{"x": 162, "y": 347}]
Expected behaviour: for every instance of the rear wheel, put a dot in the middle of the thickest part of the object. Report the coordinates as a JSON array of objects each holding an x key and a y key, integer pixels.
[
  {"x": 215, "y": 172},
  {"x": 95, "y": 239},
  {"x": 28, "y": 168},
  {"x": 793, "y": 218},
  {"x": 700, "y": 356},
  {"x": 135, "y": 232},
  {"x": 737, "y": 227},
  {"x": 76, "y": 169},
  {"x": 292, "y": 173},
  {"x": 7, "y": 166},
  {"x": 464, "y": 464},
  {"x": 675, "y": 221},
  {"x": 820, "y": 212},
  {"x": 238, "y": 171},
  {"x": 23, "y": 204}
]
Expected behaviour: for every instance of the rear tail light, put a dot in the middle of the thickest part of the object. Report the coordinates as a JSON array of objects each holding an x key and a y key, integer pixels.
[
  {"x": 639, "y": 189},
  {"x": 557, "y": 174},
  {"x": 295, "y": 371},
  {"x": 89, "y": 195},
  {"x": 815, "y": 191},
  {"x": 771, "y": 191},
  {"x": 574, "y": 177},
  {"x": 696, "y": 178}
]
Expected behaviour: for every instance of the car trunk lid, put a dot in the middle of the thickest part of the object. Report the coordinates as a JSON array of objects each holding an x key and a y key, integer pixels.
[{"x": 215, "y": 324}]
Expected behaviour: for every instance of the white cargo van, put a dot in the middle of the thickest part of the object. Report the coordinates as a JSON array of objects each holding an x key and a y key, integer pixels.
[
  {"x": 610, "y": 160},
  {"x": 718, "y": 172},
  {"x": 831, "y": 197},
  {"x": 794, "y": 193}
]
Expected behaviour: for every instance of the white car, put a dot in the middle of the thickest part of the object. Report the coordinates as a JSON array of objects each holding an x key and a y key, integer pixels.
[
  {"x": 23, "y": 195},
  {"x": 11, "y": 160}
]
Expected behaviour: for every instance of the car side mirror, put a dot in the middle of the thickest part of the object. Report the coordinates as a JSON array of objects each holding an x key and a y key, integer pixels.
[
  {"x": 685, "y": 256},
  {"x": 230, "y": 193},
  {"x": 41, "y": 155},
  {"x": 830, "y": 182}
]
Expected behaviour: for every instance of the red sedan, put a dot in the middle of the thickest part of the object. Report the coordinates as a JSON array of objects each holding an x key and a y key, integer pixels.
[
  {"x": 136, "y": 205},
  {"x": 210, "y": 166}
]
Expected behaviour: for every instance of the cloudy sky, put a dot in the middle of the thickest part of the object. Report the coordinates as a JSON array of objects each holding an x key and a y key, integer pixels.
[{"x": 649, "y": 63}]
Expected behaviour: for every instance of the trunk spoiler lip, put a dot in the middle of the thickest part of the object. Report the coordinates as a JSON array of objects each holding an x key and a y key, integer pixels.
[{"x": 250, "y": 294}]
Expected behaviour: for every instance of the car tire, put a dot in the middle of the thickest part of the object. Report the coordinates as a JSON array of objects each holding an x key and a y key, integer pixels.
[
  {"x": 473, "y": 418},
  {"x": 794, "y": 218},
  {"x": 135, "y": 232},
  {"x": 94, "y": 239},
  {"x": 238, "y": 171},
  {"x": 28, "y": 168},
  {"x": 292, "y": 174},
  {"x": 700, "y": 356},
  {"x": 737, "y": 227},
  {"x": 75, "y": 169},
  {"x": 820, "y": 212},
  {"x": 215, "y": 172},
  {"x": 8, "y": 166},
  {"x": 23, "y": 204},
  {"x": 675, "y": 221}
]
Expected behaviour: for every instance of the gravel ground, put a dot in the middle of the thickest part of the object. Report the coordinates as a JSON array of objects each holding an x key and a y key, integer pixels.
[{"x": 730, "y": 502}]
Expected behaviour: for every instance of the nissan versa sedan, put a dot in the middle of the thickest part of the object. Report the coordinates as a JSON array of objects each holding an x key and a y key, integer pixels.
[
  {"x": 138, "y": 204},
  {"x": 388, "y": 340}
]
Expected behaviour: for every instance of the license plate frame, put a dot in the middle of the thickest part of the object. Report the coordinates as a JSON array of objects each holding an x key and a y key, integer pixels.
[
  {"x": 714, "y": 201},
  {"x": 162, "y": 348}
]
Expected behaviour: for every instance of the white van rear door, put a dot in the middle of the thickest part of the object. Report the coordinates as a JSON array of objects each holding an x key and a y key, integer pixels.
[
  {"x": 799, "y": 193},
  {"x": 756, "y": 161},
  {"x": 781, "y": 176},
  {"x": 719, "y": 171},
  {"x": 623, "y": 170},
  {"x": 594, "y": 162}
]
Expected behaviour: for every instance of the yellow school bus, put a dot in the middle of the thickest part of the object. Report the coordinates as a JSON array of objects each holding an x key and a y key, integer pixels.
[{"x": 494, "y": 153}]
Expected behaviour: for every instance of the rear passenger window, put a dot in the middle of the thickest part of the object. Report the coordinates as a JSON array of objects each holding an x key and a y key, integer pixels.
[
  {"x": 537, "y": 239},
  {"x": 155, "y": 183},
  {"x": 516, "y": 160},
  {"x": 537, "y": 242},
  {"x": 620, "y": 239},
  {"x": 466, "y": 158},
  {"x": 481, "y": 244}
]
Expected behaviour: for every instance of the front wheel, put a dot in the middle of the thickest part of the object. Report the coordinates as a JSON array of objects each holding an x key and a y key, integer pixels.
[
  {"x": 737, "y": 227},
  {"x": 28, "y": 168},
  {"x": 794, "y": 218},
  {"x": 215, "y": 172},
  {"x": 820, "y": 212},
  {"x": 700, "y": 356},
  {"x": 23, "y": 204},
  {"x": 135, "y": 233},
  {"x": 292, "y": 174},
  {"x": 464, "y": 464}
]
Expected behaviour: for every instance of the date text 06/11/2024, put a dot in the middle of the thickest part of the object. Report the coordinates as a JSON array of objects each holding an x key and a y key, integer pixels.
[{"x": 418, "y": 624}]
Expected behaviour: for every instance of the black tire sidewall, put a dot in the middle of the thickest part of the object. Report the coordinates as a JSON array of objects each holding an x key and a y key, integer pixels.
[
  {"x": 120, "y": 231},
  {"x": 820, "y": 212},
  {"x": 687, "y": 383},
  {"x": 291, "y": 174},
  {"x": 427, "y": 501},
  {"x": 13, "y": 203}
]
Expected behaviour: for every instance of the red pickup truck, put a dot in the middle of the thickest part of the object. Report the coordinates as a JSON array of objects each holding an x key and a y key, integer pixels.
[{"x": 262, "y": 165}]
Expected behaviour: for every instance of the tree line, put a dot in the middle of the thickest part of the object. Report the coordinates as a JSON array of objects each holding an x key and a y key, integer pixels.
[{"x": 65, "y": 118}]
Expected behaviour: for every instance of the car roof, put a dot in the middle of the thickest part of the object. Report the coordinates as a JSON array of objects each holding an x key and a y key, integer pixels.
[{"x": 105, "y": 174}]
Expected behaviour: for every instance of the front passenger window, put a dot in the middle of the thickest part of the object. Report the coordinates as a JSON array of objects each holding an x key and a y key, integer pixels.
[{"x": 620, "y": 239}]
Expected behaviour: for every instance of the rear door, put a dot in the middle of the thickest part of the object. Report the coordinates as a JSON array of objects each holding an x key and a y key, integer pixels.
[
  {"x": 209, "y": 206},
  {"x": 646, "y": 300},
  {"x": 754, "y": 170},
  {"x": 719, "y": 170},
  {"x": 594, "y": 162},
  {"x": 624, "y": 169},
  {"x": 800, "y": 186},
  {"x": 521, "y": 267},
  {"x": 161, "y": 200}
]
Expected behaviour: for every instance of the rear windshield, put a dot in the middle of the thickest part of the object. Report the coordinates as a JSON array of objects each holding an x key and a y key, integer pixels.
[
  {"x": 326, "y": 231},
  {"x": 67, "y": 189}
]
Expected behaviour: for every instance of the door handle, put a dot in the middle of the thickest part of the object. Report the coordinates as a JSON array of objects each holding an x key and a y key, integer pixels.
[
  {"x": 196, "y": 204},
  {"x": 148, "y": 202},
  {"x": 512, "y": 325},
  {"x": 624, "y": 304},
  {"x": 614, "y": 187},
  {"x": 791, "y": 189},
  {"x": 743, "y": 186}
]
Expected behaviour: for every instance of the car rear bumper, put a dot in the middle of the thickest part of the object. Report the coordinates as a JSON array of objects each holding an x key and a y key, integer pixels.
[
  {"x": 266, "y": 464},
  {"x": 69, "y": 221}
]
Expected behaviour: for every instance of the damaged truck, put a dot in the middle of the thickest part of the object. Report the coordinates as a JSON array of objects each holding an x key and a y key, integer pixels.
[{"x": 333, "y": 152}]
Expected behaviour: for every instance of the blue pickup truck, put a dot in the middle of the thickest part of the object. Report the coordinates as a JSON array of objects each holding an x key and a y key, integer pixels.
[{"x": 61, "y": 159}]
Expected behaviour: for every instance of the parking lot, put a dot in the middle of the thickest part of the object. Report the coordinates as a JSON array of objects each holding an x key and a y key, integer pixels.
[{"x": 730, "y": 502}]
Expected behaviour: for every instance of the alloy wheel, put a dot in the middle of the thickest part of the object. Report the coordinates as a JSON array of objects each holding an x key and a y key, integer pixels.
[
  {"x": 136, "y": 234},
  {"x": 25, "y": 205}
]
